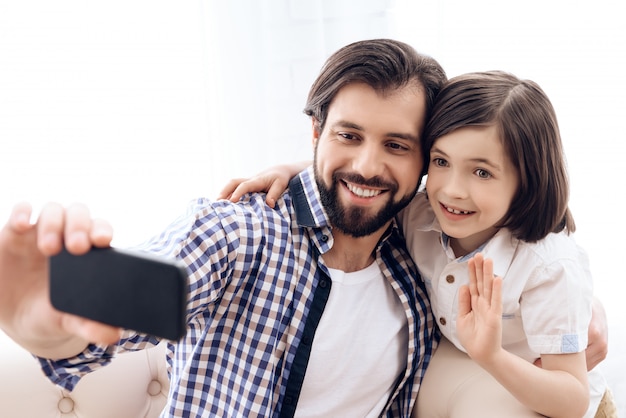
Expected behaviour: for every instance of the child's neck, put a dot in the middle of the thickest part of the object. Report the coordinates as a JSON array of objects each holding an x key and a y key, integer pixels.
[
  {"x": 467, "y": 245},
  {"x": 464, "y": 246},
  {"x": 458, "y": 249}
]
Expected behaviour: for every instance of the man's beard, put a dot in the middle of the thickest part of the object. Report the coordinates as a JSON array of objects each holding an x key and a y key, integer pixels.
[{"x": 355, "y": 221}]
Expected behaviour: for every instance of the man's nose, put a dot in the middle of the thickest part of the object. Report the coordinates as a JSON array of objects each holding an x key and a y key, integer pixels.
[{"x": 369, "y": 161}]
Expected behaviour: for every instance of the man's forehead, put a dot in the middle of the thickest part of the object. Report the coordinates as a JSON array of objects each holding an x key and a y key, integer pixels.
[{"x": 359, "y": 106}]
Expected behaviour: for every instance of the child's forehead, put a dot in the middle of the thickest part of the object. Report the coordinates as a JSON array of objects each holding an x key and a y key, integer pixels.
[{"x": 473, "y": 144}]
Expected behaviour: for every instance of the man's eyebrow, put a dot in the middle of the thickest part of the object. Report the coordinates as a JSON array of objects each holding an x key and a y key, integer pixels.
[
  {"x": 352, "y": 125},
  {"x": 347, "y": 124},
  {"x": 406, "y": 137}
]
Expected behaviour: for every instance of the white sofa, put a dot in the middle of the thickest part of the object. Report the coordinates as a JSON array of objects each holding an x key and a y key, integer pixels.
[{"x": 134, "y": 385}]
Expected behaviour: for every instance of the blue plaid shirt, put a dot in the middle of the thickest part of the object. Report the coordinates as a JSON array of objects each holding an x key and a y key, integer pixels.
[{"x": 257, "y": 292}]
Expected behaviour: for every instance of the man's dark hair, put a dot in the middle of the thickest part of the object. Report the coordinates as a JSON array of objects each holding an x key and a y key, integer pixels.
[{"x": 383, "y": 64}]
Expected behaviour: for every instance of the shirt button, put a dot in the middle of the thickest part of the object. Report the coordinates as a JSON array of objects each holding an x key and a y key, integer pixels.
[
  {"x": 442, "y": 321},
  {"x": 323, "y": 283},
  {"x": 450, "y": 278},
  {"x": 306, "y": 340},
  {"x": 324, "y": 238}
]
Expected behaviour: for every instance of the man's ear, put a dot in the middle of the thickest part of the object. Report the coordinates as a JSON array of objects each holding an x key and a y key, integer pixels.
[{"x": 315, "y": 127}]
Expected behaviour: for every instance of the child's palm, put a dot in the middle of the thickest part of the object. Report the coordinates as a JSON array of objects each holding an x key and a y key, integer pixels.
[{"x": 479, "y": 324}]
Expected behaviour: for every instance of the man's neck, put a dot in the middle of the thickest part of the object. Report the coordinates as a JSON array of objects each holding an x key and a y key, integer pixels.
[{"x": 351, "y": 254}]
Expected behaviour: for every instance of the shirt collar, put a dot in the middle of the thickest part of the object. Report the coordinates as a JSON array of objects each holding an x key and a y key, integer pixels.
[
  {"x": 500, "y": 248},
  {"x": 306, "y": 200}
]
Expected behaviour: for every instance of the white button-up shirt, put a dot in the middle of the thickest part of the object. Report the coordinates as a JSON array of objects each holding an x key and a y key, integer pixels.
[
  {"x": 547, "y": 285},
  {"x": 547, "y": 288}
]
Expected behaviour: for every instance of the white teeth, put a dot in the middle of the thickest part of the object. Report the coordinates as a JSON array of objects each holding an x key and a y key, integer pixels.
[
  {"x": 457, "y": 212},
  {"x": 363, "y": 192}
]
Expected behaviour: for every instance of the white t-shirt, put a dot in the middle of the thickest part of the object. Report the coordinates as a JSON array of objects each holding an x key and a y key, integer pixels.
[
  {"x": 359, "y": 349},
  {"x": 547, "y": 287}
]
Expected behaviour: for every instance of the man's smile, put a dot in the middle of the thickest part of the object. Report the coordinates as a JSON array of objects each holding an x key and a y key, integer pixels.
[{"x": 362, "y": 192}]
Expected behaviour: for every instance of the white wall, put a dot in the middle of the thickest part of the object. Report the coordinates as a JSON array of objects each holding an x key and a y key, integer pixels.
[
  {"x": 102, "y": 102},
  {"x": 137, "y": 107}
]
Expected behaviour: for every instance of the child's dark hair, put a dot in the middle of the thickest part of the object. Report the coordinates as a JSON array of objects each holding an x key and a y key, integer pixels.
[{"x": 527, "y": 125}]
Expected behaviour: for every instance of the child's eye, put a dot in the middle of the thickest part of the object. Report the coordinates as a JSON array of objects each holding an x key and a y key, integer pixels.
[
  {"x": 439, "y": 162},
  {"x": 483, "y": 174}
]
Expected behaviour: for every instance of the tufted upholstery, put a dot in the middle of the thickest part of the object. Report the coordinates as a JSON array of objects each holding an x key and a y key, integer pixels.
[{"x": 134, "y": 385}]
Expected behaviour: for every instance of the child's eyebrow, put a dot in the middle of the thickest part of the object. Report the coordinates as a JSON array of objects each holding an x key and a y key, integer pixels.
[
  {"x": 486, "y": 162},
  {"x": 478, "y": 160}
]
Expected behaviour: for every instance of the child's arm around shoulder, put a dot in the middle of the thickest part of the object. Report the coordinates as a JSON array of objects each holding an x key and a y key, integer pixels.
[{"x": 273, "y": 180}]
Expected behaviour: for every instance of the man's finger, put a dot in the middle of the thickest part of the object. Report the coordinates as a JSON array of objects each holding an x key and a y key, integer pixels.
[{"x": 50, "y": 229}]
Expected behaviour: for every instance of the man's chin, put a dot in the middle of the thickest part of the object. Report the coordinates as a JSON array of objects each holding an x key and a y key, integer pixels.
[
  {"x": 356, "y": 223},
  {"x": 358, "y": 220}
]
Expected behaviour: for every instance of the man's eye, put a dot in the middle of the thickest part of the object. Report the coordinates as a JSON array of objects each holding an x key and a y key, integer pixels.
[
  {"x": 347, "y": 136},
  {"x": 396, "y": 146}
]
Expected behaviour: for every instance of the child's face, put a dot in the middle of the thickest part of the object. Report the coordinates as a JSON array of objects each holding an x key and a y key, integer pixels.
[{"x": 471, "y": 183}]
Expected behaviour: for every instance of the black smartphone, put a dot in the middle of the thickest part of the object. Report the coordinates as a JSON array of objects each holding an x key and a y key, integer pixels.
[{"x": 123, "y": 288}]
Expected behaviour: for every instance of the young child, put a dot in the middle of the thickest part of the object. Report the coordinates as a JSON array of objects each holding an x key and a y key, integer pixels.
[
  {"x": 490, "y": 234},
  {"x": 497, "y": 185}
]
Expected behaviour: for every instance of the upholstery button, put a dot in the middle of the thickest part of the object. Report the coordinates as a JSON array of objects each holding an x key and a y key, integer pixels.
[
  {"x": 66, "y": 405},
  {"x": 154, "y": 388},
  {"x": 450, "y": 278},
  {"x": 442, "y": 321}
]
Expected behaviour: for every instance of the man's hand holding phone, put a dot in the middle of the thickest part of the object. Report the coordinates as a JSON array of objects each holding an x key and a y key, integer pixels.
[
  {"x": 26, "y": 250},
  {"x": 26, "y": 314}
]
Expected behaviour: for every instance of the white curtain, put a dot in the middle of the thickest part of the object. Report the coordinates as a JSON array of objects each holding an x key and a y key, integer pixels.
[{"x": 262, "y": 57}]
